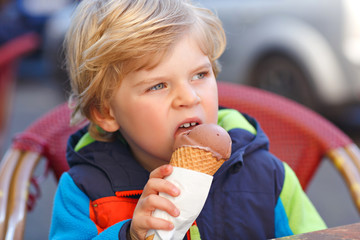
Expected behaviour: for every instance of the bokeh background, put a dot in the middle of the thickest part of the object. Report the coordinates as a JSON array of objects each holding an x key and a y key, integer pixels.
[{"x": 275, "y": 45}]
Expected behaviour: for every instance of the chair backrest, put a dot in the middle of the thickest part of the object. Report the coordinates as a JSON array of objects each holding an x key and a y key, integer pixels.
[{"x": 297, "y": 135}]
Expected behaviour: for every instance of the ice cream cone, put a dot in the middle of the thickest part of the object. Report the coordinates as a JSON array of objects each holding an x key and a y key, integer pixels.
[
  {"x": 151, "y": 237},
  {"x": 196, "y": 159}
]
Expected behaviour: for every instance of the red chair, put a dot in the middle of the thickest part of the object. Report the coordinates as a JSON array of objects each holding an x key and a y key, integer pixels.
[{"x": 298, "y": 136}]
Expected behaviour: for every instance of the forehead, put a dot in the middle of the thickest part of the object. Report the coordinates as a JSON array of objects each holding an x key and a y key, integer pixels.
[
  {"x": 185, "y": 50},
  {"x": 184, "y": 59},
  {"x": 185, "y": 54}
]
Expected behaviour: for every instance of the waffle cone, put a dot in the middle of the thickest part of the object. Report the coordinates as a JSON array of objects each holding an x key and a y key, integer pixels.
[
  {"x": 151, "y": 237},
  {"x": 196, "y": 159}
]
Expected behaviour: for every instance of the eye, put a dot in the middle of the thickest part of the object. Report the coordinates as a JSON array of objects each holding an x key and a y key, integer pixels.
[
  {"x": 200, "y": 76},
  {"x": 157, "y": 87}
]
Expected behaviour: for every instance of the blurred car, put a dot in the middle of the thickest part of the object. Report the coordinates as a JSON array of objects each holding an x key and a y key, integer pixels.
[{"x": 305, "y": 50}]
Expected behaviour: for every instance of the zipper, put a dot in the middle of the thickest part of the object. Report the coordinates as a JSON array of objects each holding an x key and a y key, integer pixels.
[{"x": 131, "y": 193}]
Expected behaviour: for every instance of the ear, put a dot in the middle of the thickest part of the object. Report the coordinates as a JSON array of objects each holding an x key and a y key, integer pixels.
[{"x": 106, "y": 121}]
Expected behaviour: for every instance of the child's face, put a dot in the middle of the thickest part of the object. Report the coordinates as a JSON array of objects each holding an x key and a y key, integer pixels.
[{"x": 152, "y": 106}]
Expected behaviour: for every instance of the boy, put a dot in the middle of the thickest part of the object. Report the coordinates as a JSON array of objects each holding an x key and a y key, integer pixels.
[{"x": 142, "y": 72}]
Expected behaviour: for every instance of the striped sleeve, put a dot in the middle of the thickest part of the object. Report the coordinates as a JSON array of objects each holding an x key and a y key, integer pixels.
[{"x": 294, "y": 212}]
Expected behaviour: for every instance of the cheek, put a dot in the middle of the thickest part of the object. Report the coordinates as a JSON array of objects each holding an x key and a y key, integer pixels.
[
  {"x": 143, "y": 126},
  {"x": 212, "y": 112},
  {"x": 210, "y": 103},
  {"x": 145, "y": 115}
]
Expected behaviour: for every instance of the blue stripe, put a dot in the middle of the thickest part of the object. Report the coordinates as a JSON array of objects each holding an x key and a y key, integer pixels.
[{"x": 282, "y": 227}]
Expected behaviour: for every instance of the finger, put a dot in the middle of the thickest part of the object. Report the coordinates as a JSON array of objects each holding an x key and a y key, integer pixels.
[
  {"x": 143, "y": 220},
  {"x": 157, "y": 185},
  {"x": 150, "y": 222},
  {"x": 142, "y": 224},
  {"x": 162, "y": 171},
  {"x": 153, "y": 202}
]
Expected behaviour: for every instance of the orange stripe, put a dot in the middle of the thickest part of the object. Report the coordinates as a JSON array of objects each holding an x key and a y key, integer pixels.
[
  {"x": 93, "y": 218},
  {"x": 128, "y": 193},
  {"x": 107, "y": 211}
]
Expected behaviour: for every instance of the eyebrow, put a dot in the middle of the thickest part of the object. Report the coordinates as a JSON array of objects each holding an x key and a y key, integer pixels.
[
  {"x": 205, "y": 65},
  {"x": 149, "y": 80}
]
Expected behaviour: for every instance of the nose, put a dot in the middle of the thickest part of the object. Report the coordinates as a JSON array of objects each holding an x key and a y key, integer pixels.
[{"x": 186, "y": 95}]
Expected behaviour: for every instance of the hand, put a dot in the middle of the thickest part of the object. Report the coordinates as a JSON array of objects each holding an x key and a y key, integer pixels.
[{"x": 150, "y": 200}]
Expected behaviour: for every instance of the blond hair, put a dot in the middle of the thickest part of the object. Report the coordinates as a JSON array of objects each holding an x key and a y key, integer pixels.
[{"x": 107, "y": 39}]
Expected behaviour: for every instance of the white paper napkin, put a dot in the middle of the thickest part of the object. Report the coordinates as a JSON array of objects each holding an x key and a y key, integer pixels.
[{"x": 194, "y": 187}]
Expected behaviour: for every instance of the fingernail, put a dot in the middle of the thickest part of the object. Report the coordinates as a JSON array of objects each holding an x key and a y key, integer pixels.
[
  {"x": 176, "y": 191},
  {"x": 171, "y": 226},
  {"x": 176, "y": 212}
]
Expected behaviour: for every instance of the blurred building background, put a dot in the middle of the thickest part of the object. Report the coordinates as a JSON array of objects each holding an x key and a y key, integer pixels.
[{"x": 305, "y": 50}]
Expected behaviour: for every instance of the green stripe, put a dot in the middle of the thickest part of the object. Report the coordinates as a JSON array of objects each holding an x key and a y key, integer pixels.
[
  {"x": 301, "y": 213},
  {"x": 230, "y": 119},
  {"x": 194, "y": 233},
  {"x": 85, "y": 140}
]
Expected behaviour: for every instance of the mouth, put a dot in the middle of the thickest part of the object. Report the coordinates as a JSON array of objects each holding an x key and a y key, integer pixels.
[{"x": 186, "y": 126}]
